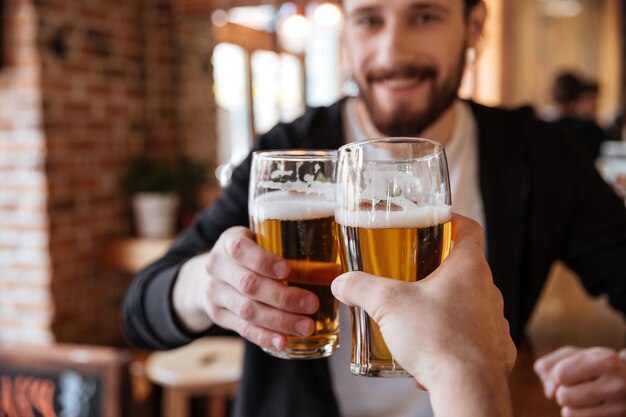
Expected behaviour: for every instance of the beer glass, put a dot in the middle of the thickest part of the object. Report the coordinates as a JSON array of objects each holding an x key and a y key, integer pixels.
[
  {"x": 291, "y": 212},
  {"x": 393, "y": 213}
]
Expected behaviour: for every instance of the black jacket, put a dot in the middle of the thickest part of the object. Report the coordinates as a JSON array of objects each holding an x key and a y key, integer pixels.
[
  {"x": 586, "y": 133},
  {"x": 543, "y": 201}
]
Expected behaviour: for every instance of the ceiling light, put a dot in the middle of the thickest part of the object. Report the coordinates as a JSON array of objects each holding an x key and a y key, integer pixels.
[{"x": 328, "y": 15}]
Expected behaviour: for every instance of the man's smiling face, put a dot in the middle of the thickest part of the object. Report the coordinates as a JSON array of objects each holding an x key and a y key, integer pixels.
[{"x": 407, "y": 57}]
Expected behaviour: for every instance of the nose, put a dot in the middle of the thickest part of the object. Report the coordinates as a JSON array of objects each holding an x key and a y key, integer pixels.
[{"x": 395, "y": 43}]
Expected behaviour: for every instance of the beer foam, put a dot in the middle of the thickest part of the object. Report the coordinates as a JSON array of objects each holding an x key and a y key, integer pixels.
[
  {"x": 416, "y": 216},
  {"x": 284, "y": 205}
]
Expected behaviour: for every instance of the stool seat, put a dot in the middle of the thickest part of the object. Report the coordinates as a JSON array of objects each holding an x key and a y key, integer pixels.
[{"x": 209, "y": 366}]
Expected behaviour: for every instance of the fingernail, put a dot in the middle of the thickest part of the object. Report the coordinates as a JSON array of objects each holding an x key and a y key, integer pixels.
[
  {"x": 276, "y": 342},
  {"x": 549, "y": 389},
  {"x": 303, "y": 327},
  {"x": 308, "y": 304},
  {"x": 336, "y": 285},
  {"x": 280, "y": 269}
]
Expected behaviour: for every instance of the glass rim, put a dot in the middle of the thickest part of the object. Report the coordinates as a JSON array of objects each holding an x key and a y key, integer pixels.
[
  {"x": 438, "y": 146},
  {"x": 296, "y": 154}
]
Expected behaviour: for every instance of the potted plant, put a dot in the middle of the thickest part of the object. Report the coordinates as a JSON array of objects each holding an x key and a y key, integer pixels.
[{"x": 155, "y": 199}]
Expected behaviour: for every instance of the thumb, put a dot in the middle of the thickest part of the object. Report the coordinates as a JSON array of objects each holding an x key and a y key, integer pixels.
[{"x": 362, "y": 289}]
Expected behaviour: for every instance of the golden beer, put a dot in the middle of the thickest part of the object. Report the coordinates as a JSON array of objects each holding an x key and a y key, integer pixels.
[
  {"x": 393, "y": 210},
  {"x": 301, "y": 228},
  {"x": 404, "y": 245}
]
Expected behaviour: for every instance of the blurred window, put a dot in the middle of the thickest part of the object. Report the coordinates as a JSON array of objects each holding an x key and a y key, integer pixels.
[
  {"x": 231, "y": 97},
  {"x": 259, "y": 82}
]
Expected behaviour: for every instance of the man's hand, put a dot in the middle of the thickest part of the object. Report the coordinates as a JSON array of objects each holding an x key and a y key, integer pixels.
[
  {"x": 237, "y": 285},
  {"x": 447, "y": 330},
  {"x": 585, "y": 382}
]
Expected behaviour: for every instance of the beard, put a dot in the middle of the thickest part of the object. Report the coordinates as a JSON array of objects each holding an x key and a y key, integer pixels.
[{"x": 402, "y": 120}]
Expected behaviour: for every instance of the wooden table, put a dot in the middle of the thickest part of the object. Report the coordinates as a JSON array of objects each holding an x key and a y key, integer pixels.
[
  {"x": 526, "y": 389},
  {"x": 130, "y": 255},
  {"x": 564, "y": 315}
]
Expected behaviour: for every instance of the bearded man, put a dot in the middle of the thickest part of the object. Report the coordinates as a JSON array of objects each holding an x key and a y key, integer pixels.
[{"x": 537, "y": 196}]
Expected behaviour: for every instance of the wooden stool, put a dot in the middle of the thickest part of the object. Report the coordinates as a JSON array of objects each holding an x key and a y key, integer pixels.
[{"x": 207, "y": 367}]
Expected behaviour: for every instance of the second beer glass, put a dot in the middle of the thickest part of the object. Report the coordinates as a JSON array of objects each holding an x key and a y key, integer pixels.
[
  {"x": 393, "y": 212},
  {"x": 291, "y": 212}
]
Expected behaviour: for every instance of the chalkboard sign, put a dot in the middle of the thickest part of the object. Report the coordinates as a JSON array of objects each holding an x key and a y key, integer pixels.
[{"x": 63, "y": 381}]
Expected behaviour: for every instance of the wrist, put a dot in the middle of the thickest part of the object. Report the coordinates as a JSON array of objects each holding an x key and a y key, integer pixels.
[
  {"x": 187, "y": 296},
  {"x": 481, "y": 388}
]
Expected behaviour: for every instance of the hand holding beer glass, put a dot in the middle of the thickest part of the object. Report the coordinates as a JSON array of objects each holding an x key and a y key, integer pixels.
[
  {"x": 291, "y": 212},
  {"x": 394, "y": 214}
]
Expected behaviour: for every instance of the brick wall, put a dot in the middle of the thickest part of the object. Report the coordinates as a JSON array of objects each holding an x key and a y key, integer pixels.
[
  {"x": 193, "y": 74},
  {"x": 91, "y": 77},
  {"x": 91, "y": 84},
  {"x": 159, "y": 58},
  {"x": 25, "y": 302}
]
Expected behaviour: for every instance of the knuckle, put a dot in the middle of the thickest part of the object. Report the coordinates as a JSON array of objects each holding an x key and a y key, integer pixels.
[
  {"x": 511, "y": 354},
  {"x": 211, "y": 261},
  {"x": 563, "y": 396},
  {"x": 610, "y": 360},
  {"x": 507, "y": 328},
  {"x": 245, "y": 330},
  {"x": 249, "y": 284},
  {"x": 250, "y": 333},
  {"x": 213, "y": 311},
  {"x": 281, "y": 323},
  {"x": 617, "y": 388},
  {"x": 247, "y": 310},
  {"x": 499, "y": 300},
  {"x": 217, "y": 314},
  {"x": 559, "y": 371},
  {"x": 287, "y": 297},
  {"x": 236, "y": 246},
  {"x": 281, "y": 299},
  {"x": 260, "y": 263}
]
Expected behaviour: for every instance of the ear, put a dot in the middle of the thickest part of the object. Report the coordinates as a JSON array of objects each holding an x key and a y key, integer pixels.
[{"x": 476, "y": 23}]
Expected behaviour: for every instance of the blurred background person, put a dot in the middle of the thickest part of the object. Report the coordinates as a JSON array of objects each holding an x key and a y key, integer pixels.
[{"x": 576, "y": 101}]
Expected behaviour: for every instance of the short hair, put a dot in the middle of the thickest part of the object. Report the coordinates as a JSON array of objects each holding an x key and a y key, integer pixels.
[
  {"x": 469, "y": 5},
  {"x": 567, "y": 88}
]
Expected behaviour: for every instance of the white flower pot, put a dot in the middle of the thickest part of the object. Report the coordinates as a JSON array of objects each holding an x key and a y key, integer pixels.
[{"x": 155, "y": 214}]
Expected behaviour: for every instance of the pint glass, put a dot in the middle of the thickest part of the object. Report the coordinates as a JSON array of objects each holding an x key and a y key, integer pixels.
[
  {"x": 291, "y": 212},
  {"x": 393, "y": 212}
]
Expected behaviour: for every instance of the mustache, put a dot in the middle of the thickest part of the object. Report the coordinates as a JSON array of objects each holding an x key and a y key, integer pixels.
[{"x": 406, "y": 71}]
